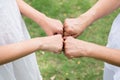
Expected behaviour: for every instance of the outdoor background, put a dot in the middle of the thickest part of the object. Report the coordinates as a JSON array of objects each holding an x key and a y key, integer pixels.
[{"x": 58, "y": 67}]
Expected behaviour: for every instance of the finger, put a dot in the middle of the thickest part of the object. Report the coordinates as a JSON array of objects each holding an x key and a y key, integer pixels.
[
  {"x": 60, "y": 31},
  {"x": 65, "y": 23},
  {"x": 66, "y": 34},
  {"x": 69, "y": 30},
  {"x": 49, "y": 33},
  {"x": 72, "y": 34},
  {"x": 68, "y": 56},
  {"x": 65, "y": 26},
  {"x": 64, "y": 38},
  {"x": 55, "y": 33},
  {"x": 75, "y": 35}
]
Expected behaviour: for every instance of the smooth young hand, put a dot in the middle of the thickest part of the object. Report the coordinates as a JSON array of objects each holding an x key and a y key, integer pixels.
[
  {"x": 52, "y": 26},
  {"x": 52, "y": 43},
  {"x": 75, "y": 26},
  {"x": 76, "y": 48}
]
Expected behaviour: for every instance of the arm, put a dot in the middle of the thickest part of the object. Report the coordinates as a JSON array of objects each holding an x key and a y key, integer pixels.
[
  {"x": 75, "y": 26},
  {"x": 15, "y": 51},
  {"x": 51, "y": 26},
  {"x": 31, "y": 13},
  {"x": 109, "y": 55},
  {"x": 102, "y": 8},
  {"x": 75, "y": 48}
]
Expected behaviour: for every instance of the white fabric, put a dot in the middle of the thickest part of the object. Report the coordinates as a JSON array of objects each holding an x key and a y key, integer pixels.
[
  {"x": 13, "y": 29},
  {"x": 113, "y": 72}
]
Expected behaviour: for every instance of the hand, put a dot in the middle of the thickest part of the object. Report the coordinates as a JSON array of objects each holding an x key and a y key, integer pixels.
[
  {"x": 52, "y": 43},
  {"x": 75, "y": 26},
  {"x": 76, "y": 48},
  {"x": 52, "y": 26}
]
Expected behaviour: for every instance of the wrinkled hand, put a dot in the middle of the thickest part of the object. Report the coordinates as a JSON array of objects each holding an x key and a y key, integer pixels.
[
  {"x": 76, "y": 48},
  {"x": 52, "y": 43},
  {"x": 52, "y": 26}
]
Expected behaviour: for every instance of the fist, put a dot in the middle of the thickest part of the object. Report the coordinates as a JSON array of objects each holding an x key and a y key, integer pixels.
[
  {"x": 75, "y": 26},
  {"x": 52, "y": 26},
  {"x": 52, "y": 43},
  {"x": 72, "y": 27},
  {"x": 76, "y": 48}
]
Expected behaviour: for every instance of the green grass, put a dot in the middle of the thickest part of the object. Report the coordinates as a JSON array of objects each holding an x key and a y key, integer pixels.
[{"x": 58, "y": 65}]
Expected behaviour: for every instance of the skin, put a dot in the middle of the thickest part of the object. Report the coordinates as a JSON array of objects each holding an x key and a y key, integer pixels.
[
  {"x": 75, "y": 48},
  {"x": 20, "y": 49},
  {"x": 49, "y": 25},
  {"x": 75, "y": 26}
]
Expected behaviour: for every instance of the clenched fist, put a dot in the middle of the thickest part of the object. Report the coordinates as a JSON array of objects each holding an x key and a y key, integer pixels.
[
  {"x": 52, "y": 26},
  {"x": 52, "y": 43},
  {"x": 76, "y": 48},
  {"x": 75, "y": 26}
]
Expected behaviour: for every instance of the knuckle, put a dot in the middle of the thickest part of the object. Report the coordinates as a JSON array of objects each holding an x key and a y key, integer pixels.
[
  {"x": 69, "y": 30},
  {"x": 67, "y": 53},
  {"x": 60, "y": 29},
  {"x": 59, "y": 50}
]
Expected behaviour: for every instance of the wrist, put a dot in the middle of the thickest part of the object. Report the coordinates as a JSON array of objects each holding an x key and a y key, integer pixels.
[
  {"x": 89, "y": 49},
  {"x": 41, "y": 18},
  {"x": 88, "y": 17},
  {"x": 38, "y": 42},
  {"x": 92, "y": 50}
]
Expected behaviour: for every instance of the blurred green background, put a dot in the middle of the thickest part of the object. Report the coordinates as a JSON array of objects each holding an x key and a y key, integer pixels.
[{"x": 58, "y": 66}]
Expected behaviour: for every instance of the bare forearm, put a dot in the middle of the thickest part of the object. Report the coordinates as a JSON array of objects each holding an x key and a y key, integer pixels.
[
  {"x": 109, "y": 55},
  {"x": 30, "y": 12},
  {"x": 102, "y": 8},
  {"x": 14, "y": 51}
]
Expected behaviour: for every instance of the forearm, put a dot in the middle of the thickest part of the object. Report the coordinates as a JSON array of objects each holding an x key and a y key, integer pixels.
[
  {"x": 109, "y": 55},
  {"x": 14, "y": 51},
  {"x": 102, "y": 8},
  {"x": 30, "y": 12}
]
